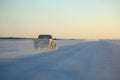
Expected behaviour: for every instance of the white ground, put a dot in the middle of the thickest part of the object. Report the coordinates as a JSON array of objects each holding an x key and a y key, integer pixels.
[{"x": 72, "y": 60}]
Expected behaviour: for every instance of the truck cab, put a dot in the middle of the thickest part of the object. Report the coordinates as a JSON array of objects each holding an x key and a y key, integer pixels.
[{"x": 45, "y": 41}]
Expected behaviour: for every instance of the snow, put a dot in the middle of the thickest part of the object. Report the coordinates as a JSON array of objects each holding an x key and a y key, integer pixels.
[
  {"x": 72, "y": 60},
  {"x": 19, "y": 48}
]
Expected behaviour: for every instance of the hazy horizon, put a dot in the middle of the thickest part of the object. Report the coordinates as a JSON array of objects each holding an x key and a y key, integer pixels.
[{"x": 77, "y": 19}]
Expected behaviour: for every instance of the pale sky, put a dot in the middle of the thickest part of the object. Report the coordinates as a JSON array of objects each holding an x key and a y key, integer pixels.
[{"x": 81, "y": 19}]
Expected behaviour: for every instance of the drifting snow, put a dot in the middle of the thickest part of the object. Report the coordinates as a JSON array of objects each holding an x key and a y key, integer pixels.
[
  {"x": 19, "y": 48},
  {"x": 72, "y": 60}
]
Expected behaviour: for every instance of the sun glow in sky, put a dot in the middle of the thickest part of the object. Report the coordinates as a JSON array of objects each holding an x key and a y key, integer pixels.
[{"x": 86, "y": 19}]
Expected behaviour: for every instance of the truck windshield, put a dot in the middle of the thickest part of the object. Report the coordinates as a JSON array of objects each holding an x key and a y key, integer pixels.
[{"x": 45, "y": 37}]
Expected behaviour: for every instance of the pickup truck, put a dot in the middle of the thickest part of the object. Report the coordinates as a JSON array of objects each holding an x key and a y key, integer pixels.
[{"x": 45, "y": 41}]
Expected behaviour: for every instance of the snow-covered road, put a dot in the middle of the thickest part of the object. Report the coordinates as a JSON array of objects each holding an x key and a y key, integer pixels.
[{"x": 72, "y": 60}]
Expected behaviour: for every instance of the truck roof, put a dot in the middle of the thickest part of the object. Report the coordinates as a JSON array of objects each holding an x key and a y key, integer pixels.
[{"x": 45, "y": 36}]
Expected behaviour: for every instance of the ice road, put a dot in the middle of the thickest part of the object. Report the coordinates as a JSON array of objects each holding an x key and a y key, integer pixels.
[{"x": 72, "y": 60}]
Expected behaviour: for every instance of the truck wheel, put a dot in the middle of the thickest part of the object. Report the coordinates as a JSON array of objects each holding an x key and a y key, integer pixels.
[{"x": 54, "y": 45}]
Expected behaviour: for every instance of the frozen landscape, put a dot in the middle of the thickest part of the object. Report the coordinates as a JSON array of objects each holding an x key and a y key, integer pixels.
[{"x": 71, "y": 60}]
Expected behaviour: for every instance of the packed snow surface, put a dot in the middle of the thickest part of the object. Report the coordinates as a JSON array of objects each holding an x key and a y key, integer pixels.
[{"x": 71, "y": 60}]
